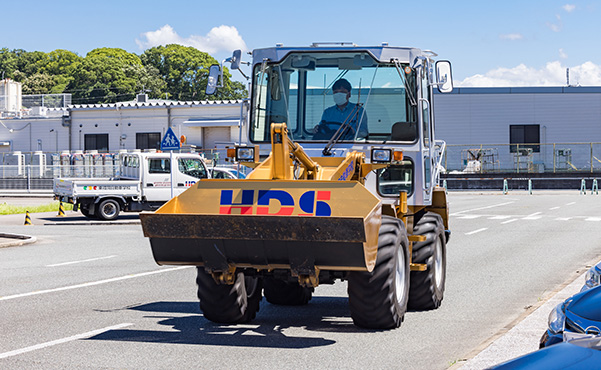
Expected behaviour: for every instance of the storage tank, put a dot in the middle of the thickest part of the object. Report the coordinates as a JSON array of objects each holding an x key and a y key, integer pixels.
[
  {"x": 10, "y": 96},
  {"x": 38, "y": 164}
]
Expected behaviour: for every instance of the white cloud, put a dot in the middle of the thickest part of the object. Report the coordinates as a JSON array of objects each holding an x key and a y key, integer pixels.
[
  {"x": 562, "y": 54},
  {"x": 511, "y": 36},
  {"x": 569, "y": 7},
  {"x": 222, "y": 38},
  {"x": 552, "y": 74},
  {"x": 556, "y": 27}
]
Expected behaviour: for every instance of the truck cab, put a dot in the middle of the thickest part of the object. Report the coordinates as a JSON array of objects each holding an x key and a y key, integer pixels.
[{"x": 390, "y": 101}]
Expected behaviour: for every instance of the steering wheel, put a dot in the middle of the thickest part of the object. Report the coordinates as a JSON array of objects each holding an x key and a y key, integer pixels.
[{"x": 327, "y": 129}]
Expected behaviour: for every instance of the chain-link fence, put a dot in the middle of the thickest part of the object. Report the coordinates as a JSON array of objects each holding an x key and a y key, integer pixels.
[
  {"x": 523, "y": 158},
  {"x": 36, "y": 170}
]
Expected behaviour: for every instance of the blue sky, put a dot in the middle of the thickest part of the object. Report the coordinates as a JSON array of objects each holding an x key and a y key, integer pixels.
[{"x": 508, "y": 43}]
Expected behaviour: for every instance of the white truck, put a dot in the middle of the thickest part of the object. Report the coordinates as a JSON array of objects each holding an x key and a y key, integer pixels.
[{"x": 144, "y": 184}]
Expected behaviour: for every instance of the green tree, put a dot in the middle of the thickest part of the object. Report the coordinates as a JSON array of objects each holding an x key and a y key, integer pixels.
[
  {"x": 185, "y": 70},
  {"x": 108, "y": 75}
]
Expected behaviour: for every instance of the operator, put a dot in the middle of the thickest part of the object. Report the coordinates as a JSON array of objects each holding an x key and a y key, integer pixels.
[{"x": 342, "y": 113}]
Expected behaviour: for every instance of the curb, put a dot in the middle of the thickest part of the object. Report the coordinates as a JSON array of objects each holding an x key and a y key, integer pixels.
[{"x": 20, "y": 240}]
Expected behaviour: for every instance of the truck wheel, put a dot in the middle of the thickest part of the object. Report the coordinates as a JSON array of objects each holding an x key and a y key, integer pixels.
[
  {"x": 108, "y": 209},
  {"x": 427, "y": 287},
  {"x": 86, "y": 212},
  {"x": 236, "y": 303},
  {"x": 378, "y": 299},
  {"x": 285, "y": 293}
]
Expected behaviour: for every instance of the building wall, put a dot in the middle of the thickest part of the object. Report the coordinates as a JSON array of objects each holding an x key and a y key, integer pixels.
[{"x": 483, "y": 116}]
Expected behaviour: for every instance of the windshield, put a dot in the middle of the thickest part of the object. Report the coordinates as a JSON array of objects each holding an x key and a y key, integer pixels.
[
  {"x": 347, "y": 94},
  {"x": 192, "y": 167}
]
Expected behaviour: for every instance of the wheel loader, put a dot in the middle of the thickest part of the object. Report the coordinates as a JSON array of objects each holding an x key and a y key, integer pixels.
[{"x": 344, "y": 186}]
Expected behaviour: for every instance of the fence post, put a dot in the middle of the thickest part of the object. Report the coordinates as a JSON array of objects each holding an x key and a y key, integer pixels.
[
  {"x": 517, "y": 156},
  {"x": 553, "y": 157},
  {"x": 591, "y": 157},
  {"x": 530, "y": 186},
  {"x": 583, "y": 187},
  {"x": 29, "y": 178}
]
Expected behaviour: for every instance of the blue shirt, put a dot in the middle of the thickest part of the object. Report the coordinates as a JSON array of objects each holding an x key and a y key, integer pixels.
[{"x": 356, "y": 113}]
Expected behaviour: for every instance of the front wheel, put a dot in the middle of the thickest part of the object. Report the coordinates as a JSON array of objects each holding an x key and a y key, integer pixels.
[
  {"x": 229, "y": 304},
  {"x": 378, "y": 299},
  {"x": 427, "y": 287}
]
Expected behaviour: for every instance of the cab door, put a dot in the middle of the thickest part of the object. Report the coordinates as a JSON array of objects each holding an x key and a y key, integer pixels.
[{"x": 157, "y": 181}]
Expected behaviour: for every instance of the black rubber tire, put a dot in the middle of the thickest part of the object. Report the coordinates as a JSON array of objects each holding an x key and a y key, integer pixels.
[
  {"x": 229, "y": 304},
  {"x": 86, "y": 212},
  {"x": 378, "y": 299},
  {"x": 427, "y": 287},
  {"x": 285, "y": 293},
  {"x": 108, "y": 209}
]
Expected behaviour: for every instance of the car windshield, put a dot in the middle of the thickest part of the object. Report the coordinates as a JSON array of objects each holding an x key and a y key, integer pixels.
[
  {"x": 317, "y": 93},
  {"x": 192, "y": 167}
]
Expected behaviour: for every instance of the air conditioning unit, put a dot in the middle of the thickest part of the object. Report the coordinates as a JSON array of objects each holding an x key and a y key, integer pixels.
[{"x": 142, "y": 98}]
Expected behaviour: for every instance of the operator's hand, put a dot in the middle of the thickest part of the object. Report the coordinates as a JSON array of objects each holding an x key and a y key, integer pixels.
[{"x": 315, "y": 128}]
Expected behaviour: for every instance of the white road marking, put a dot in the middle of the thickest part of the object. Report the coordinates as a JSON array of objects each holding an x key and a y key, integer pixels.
[
  {"x": 593, "y": 219},
  {"x": 533, "y": 216},
  {"x": 477, "y": 209},
  {"x": 82, "y": 261},
  {"x": 499, "y": 217},
  {"x": 468, "y": 217},
  {"x": 569, "y": 204},
  {"x": 509, "y": 221},
  {"x": 563, "y": 218},
  {"x": 99, "y": 282},
  {"x": 476, "y": 231},
  {"x": 61, "y": 341},
  {"x": 551, "y": 209}
]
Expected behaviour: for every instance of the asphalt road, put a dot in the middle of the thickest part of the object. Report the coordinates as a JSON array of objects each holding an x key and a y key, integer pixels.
[{"x": 91, "y": 296}]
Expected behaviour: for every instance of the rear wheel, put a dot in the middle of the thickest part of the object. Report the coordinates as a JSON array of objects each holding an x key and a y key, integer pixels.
[
  {"x": 285, "y": 293},
  {"x": 427, "y": 287},
  {"x": 236, "y": 303},
  {"x": 108, "y": 209},
  {"x": 378, "y": 299}
]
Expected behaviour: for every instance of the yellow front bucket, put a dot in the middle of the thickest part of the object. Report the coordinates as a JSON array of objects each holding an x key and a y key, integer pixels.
[{"x": 267, "y": 224}]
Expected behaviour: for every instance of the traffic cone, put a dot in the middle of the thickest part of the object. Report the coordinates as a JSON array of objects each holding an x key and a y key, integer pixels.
[
  {"x": 27, "y": 219},
  {"x": 61, "y": 210}
]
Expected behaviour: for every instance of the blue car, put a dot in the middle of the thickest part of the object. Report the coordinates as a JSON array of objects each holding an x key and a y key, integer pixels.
[
  {"x": 583, "y": 353},
  {"x": 579, "y": 314}
]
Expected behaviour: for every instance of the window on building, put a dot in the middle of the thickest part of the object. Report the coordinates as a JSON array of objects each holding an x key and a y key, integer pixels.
[
  {"x": 524, "y": 135},
  {"x": 98, "y": 142},
  {"x": 148, "y": 140}
]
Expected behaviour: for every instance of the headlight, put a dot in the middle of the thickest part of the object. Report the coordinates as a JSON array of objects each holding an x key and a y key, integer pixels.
[
  {"x": 381, "y": 155},
  {"x": 557, "y": 319},
  {"x": 245, "y": 154},
  {"x": 592, "y": 277}
]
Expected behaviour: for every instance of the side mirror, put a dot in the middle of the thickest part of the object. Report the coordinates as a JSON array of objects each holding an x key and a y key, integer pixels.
[
  {"x": 444, "y": 79},
  {"x": 235, "y": 59},
  {"x": 213, "y": 80}
]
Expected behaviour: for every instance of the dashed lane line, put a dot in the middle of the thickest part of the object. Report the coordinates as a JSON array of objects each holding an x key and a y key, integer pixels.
[
  {"x": 553, "y": 208},
  {"x": 534, "y": 216},
  {"x": 477, "y": 209},
  {"x": 99, "y": 282},
  {"x": 509, "y": 221},
  {"x": 477, "y": 231},
  {"x": 81, "y": 261},
  {"x": 63, "y": 340}
]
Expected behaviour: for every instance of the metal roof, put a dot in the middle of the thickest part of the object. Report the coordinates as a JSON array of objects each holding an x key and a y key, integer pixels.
[{"x": 154, "y": 104}]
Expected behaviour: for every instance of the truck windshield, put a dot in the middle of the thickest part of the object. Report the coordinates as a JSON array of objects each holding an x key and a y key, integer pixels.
[
  {"x": 192, "y": 167},
  {"x": 317, "y": 93}
]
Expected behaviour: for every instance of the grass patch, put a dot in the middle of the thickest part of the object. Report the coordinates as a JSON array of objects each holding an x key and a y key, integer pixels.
[{"x": 6, "y": 209}]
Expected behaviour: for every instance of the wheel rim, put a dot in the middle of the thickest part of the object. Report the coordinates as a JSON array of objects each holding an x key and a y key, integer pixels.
[
  {"x": 400, "y": 275},
  {"x": 438, "y": 263},
  {"x": 109, "y": 209}
]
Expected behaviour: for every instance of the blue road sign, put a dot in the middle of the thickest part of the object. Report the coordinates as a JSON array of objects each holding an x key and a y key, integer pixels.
[{"x": 170, "y": 141}]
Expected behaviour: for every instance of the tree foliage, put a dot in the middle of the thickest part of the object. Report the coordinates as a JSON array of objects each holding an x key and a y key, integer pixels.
[{"x": 107, "y": 75}]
